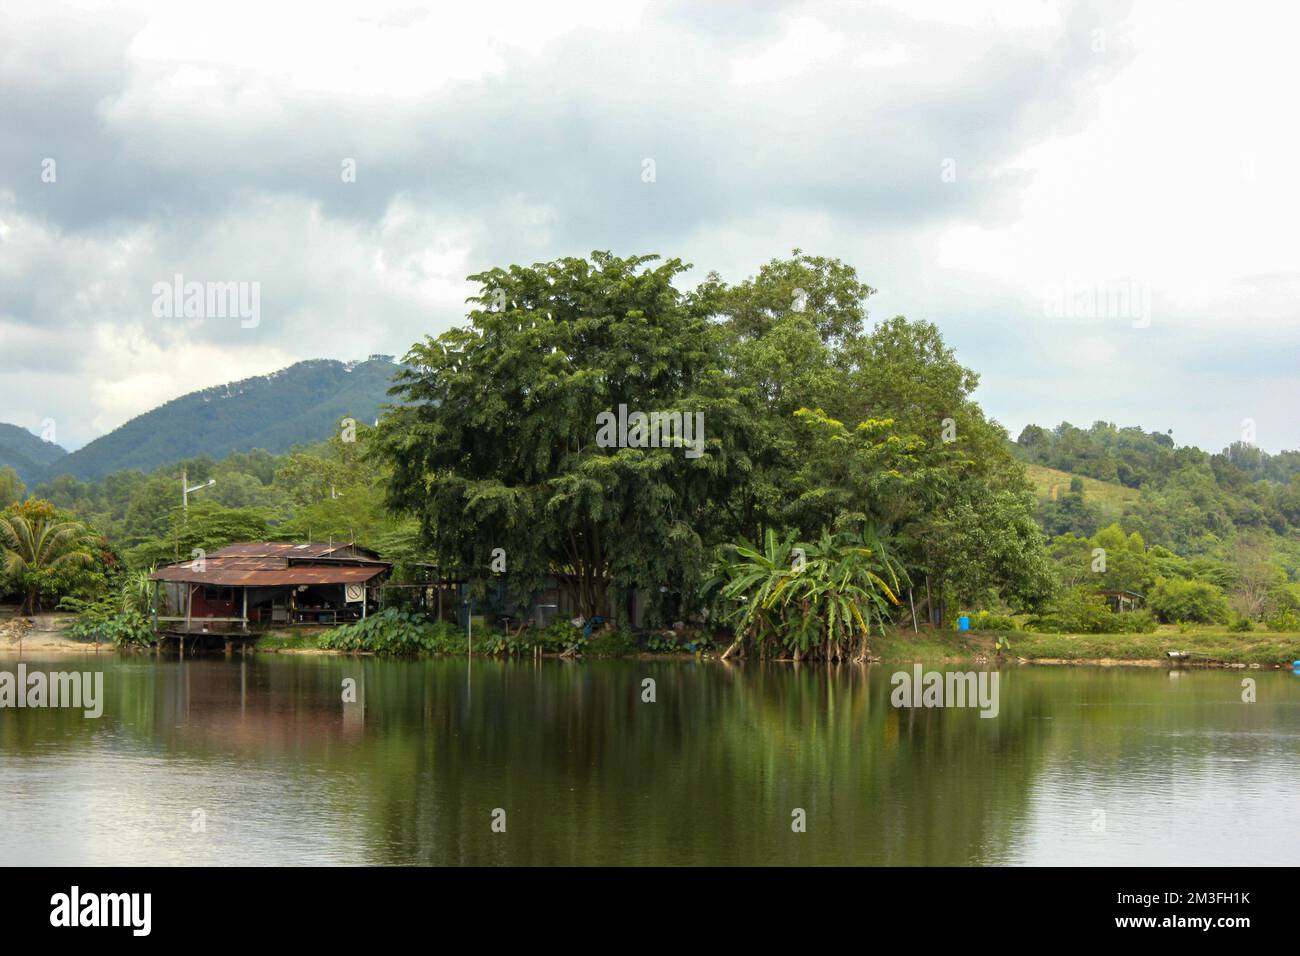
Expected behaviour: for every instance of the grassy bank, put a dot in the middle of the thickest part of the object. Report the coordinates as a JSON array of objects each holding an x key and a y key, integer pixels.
[{"x": 1207, "y": 645}]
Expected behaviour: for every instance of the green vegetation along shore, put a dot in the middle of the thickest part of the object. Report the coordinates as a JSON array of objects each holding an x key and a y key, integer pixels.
[
  {"x": 1202, "y": 646},
  {"x": 838, "y": 486}
]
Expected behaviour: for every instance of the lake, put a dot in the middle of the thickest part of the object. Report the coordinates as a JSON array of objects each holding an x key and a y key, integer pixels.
[{"x": 210, "y": 761}]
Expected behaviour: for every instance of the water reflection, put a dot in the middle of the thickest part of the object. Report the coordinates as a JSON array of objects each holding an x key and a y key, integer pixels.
[{"x": 409, "y": 773}]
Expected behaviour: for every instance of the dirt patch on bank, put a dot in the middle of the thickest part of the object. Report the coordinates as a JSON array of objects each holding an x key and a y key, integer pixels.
[{"x": 44, "y": 633}]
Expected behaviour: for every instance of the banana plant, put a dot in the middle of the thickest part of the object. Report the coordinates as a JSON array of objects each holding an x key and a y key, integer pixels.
[{"x": 825, "y": 597}]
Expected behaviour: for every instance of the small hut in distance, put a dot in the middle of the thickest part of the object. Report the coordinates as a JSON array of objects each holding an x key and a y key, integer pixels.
[{"x": 1121, "y": 601}]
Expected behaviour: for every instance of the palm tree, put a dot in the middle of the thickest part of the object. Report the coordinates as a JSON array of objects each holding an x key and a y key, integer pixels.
[{"x": 36, "y": 544}]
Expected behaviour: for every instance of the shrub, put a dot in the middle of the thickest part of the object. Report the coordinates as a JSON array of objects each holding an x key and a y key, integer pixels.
[
  {"x": 123, "y": 614},
  {"x": 394, "y": 631},
  {"x": 670, "y": 643},
  {"x": 619, "y": 642},
  {"x": 1284, "y": 621},
  {"x": 988, "y": 621},
  {"x": 1078, "y": 611},
  {"x": 106, "y": 619},
  {"x": 1081, "y": 611},
  {"x": 1135, "y": 622},
  {"x": 400, "y": 632},
  {"x": 1178, "y": 601},
  {"x": 1241, "y": 624},
  {"x": 559, "y": 637}
]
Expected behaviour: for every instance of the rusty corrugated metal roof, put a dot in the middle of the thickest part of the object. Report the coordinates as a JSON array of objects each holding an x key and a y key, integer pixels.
[
  {"x": 271, "y": 564},
  {"x": 219, "y": 574}
]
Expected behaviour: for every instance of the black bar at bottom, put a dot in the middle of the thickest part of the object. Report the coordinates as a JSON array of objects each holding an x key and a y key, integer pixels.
[{"x": 335, "y": 906}]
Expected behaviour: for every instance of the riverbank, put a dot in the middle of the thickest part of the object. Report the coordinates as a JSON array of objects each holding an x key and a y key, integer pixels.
[
  {"x": 44, "y": 633},
  {"x": 1203, "y": 646}
]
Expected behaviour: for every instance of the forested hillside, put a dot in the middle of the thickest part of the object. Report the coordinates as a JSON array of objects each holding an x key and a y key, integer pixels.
[
  {"x": 1189, "y": 500},
  {"x": 302, "y": 403},
  {"x": 25, "y": 453}
]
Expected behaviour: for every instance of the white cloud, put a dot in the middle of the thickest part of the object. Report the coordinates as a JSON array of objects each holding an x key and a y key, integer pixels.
[{"x": 1092, "y": 144}]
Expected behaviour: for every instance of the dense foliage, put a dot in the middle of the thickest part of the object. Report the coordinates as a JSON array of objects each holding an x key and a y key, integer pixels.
[
  {"x": 1177, "y": 601},
  {"x": 1080, "y": 610},
  {"x": 45, "y": 555},
  {"x": 122, "y": 613},
  {"x": 497, "y": 446},
  {"x": 858, "y": 443},
  {"x": 396, "y": 632},
  {"x": 403, "y": 633},
  {"x": 1191, "y": 500},
  {"x": 815, "y": 425}
]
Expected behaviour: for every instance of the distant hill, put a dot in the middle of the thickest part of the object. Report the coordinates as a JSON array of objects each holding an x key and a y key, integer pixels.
[
  {"x": 302, "y": 403},
  {"x": 1193, "y": 502},
  {"x": 26, "y": 453},
  {"x": 1112, "y": 498}
]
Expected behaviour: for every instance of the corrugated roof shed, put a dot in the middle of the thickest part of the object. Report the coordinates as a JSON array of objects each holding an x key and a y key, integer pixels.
[{"x": 271, "y": 564}]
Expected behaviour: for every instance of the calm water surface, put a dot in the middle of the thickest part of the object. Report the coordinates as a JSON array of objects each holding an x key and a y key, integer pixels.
[{"x": 1184, "y": 771}]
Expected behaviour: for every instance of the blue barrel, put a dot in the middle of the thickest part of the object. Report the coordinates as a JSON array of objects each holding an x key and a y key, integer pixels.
[{"x": 963, "y": 623}]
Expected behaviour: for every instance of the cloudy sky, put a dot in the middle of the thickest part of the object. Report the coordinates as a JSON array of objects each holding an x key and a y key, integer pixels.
[{"x": 995, "y": 169}]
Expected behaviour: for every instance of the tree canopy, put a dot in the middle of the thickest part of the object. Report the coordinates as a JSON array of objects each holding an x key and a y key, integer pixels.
[{"x": 813, "y": 424}]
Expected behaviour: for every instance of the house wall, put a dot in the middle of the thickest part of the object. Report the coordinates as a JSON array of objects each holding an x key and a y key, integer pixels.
[{"x": 204, "y": 606}]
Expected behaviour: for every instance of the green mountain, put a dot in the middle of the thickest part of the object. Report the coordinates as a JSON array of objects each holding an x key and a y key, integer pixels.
[
  {"x": 302, "y": 403},
  {"x": 25, "y": 453}
]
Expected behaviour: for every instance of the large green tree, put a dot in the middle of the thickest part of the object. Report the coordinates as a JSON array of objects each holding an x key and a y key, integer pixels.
[
  {"x": 497, "y": 444},
  {"x": 876, "y": 426}
]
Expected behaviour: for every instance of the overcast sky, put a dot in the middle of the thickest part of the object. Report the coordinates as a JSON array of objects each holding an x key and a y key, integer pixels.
[{"x": 989, "y": 168}]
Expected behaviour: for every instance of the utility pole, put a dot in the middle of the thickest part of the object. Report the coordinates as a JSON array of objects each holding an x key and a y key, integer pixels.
[{"x": 186, "y": 489}]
